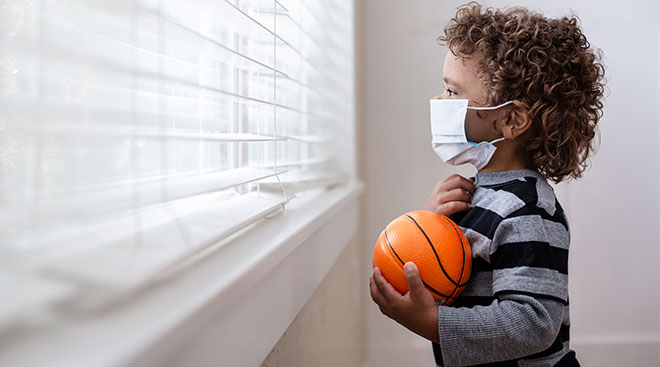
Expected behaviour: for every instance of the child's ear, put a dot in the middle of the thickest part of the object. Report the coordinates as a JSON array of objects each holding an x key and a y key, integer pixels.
[{"x": 518, "y": 122}]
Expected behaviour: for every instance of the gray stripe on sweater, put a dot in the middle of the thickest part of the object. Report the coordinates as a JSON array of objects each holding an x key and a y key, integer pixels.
[
  {"x": 531, "y": 228},
  {"x": 529, "y": 279},
  {"x": 479, "y": 244},
  {"x": 501, "y": 202},
  {"x": 546, "y": 196}
]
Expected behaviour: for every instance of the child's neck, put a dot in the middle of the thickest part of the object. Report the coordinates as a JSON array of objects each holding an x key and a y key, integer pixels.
[{"x": 507, "y": 157}]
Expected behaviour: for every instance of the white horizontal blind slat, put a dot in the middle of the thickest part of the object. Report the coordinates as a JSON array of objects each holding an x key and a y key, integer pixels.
[
  {"x": 125, "y": 196},
  {"x": 127, "y": 265}
]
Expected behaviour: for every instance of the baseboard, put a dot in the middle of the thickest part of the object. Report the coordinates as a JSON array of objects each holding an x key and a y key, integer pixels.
[
  {"x": 618, "y": 350},
  {"x": 609, "y": 351},
  {"x": 405, "y": 355}
]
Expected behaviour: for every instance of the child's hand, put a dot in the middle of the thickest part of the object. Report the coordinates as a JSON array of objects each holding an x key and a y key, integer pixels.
[
  {"x": 416, "y": 310},
  {"x": 451, "y": 195}
]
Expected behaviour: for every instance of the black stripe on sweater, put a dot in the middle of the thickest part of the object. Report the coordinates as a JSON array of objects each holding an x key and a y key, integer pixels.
[
  {"x": 532, "y": 254},
  {"x": 568, "y": 360},
  {"x": 479, "y": 264},
  {"x": 532, "y": 209},
  {"x": 480, "y": 220},
  {"x": 471, "y": 301}
]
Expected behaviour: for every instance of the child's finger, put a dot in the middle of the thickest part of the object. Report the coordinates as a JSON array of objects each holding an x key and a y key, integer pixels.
[
  {"x": 377, "y": 297},
  {"x": 457, "y": 194},
  {"x": 375, "y": 293},
  {"x": 454, "y": 207},
  {"x": 386, "y": 289},
  {"x": 415, "y": 284},
  {"x": 458, "y": 181}
]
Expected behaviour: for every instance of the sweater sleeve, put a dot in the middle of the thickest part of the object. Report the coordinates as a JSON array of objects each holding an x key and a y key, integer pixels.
[{"x": 511, "y": 327}]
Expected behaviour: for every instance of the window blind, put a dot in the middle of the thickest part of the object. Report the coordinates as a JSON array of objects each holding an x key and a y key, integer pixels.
[{"x": 134, "y": 133}]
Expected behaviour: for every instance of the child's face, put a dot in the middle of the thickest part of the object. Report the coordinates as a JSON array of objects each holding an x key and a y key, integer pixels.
[{"x": 462, "y": 82}]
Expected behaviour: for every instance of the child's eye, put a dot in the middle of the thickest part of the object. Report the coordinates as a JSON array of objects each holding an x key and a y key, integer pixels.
[{"x": 450, "y": 92}]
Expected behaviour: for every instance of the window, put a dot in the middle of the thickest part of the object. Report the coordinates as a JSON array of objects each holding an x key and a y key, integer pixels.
[{"x": 135, "y": 133}]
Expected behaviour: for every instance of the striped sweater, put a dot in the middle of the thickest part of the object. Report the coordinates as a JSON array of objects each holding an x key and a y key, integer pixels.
[{"x": 514, "y": 311}]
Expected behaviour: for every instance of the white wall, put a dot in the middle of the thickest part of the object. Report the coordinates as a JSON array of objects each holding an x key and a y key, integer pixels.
[
  {"x": 403, "y": 70},
  {"x": 613, "y": 210}
]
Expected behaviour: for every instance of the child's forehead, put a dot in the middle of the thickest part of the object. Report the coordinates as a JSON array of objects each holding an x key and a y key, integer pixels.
[{"x": 460, "y": 67}]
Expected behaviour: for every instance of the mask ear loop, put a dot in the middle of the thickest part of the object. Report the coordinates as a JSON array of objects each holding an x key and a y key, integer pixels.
[
  {"x": 490, "y": 107},
  {"x": 498, "y": 140}
]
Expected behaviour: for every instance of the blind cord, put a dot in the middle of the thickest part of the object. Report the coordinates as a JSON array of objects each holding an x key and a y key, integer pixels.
[{"x": 277, "y": 174}]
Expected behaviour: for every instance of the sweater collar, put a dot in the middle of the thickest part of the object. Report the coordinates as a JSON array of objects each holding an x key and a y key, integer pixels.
[{"x": 494, "y": 178}]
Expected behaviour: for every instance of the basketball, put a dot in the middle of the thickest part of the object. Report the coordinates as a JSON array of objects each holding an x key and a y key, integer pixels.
[{"x": 435, "y": 244}]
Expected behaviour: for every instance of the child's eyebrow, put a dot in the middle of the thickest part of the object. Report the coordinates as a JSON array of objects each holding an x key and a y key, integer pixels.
[{"x": 450, "y": 82}]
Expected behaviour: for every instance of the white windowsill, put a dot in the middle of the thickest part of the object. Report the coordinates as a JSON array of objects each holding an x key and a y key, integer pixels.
[{"x": 228, "y": 308}]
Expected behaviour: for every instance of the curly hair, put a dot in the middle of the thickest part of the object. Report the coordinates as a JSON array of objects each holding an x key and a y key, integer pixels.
[{"x": 547, "y": 67}]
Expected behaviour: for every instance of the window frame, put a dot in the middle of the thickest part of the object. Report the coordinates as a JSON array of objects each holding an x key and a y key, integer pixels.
[{"x": 194, "y": 314}]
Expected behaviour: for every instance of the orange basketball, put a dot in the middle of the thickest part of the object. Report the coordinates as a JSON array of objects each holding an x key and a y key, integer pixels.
[{"x": 435, "y": 244}]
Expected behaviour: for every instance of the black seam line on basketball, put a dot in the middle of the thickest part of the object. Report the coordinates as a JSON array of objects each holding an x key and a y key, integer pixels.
[
  {"x": 402, "y": 263},
  {"x": 433, "y": 248},
  {"x": 462, "y": 248}
]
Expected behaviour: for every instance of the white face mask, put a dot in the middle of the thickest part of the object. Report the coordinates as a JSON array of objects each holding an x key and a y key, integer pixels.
[{"x": 448, "y": 131}]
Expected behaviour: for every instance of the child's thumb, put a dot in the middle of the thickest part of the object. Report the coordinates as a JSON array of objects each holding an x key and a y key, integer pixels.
[{"x": 412, "y": 276}]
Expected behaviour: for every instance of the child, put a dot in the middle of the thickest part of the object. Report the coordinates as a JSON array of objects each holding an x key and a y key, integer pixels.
[{"x": 540, "y": 87}]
